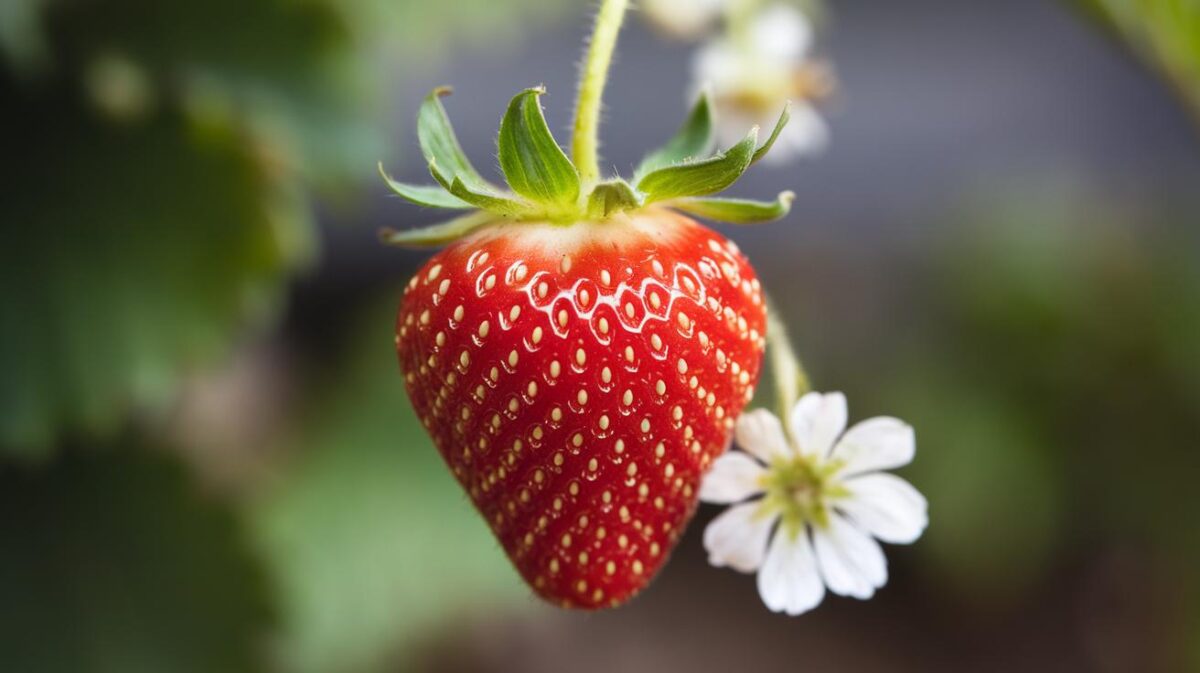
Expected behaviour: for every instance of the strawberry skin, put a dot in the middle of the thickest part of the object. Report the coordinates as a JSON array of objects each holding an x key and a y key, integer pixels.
[{"x": 578, "y": 381}]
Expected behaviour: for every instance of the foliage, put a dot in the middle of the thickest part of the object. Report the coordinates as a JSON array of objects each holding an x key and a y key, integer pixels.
[
  {"x": 369, "y": 538},
  {"x": 1166, "y": 33},
  {"x": 131, "y": 253},
  {"x": 112, "y": 563},
  {"x": 546, "y": 185},
  {"x": 1055, "y": 385}
]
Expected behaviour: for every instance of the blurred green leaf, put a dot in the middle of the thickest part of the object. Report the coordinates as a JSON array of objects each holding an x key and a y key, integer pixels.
[
  {"x": 1165, "y": 33},
  {"x": 112, "y": 564},
  {"x": 995, "y": 500},
  {"x": 20, "y": 37},
  {"x": 1053, "y": 382},
  {"x": 371, "y": 539},
  {"x": 132, "y": 253},
  {"x": 286, "y": 70}
]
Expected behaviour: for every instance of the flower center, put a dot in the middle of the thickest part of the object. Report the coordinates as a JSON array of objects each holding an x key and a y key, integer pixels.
[{"x": 800, "y": 488}]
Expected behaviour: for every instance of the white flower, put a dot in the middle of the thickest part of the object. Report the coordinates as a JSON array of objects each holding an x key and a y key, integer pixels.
[
  {"x": 806, "y": 513},
  {"x": 683, "y": 19},
  {"x": 752, "y": 77}
]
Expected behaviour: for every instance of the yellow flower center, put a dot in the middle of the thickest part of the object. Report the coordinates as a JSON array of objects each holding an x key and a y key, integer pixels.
[{"x": 800, "y": 489}]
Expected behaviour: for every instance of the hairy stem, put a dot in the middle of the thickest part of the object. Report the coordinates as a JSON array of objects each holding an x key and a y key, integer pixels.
[
  {"x": 791, "y": 381},
  {"x": 584, "y": 147}
]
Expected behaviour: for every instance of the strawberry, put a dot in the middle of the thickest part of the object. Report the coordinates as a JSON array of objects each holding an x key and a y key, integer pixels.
[
  {"x": 578, "y": 381},
  {"x": 580, "y": 350}
]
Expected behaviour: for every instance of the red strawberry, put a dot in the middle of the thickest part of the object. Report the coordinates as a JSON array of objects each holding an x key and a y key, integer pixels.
[{"x": 578, "y": 380}]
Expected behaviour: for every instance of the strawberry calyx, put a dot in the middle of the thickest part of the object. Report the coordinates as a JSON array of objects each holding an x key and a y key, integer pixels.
[{"x": 544, "y": 185}]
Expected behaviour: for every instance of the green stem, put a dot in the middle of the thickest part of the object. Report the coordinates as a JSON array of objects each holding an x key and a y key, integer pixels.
[
  {"x": 791, "y": 381},
  {"x": 585, "y": 143}
]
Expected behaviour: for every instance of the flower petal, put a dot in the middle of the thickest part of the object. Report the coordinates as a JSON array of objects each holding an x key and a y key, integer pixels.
[
  {"x": 738, "y": 537},
  {"x": 886, "y": 506},
  {"x": 781, "y": 32},
  {"x": 734, "y": 477},
  {"x": 760, "y": 433},
  {"x": 816, "y": 422},
  {"x": 789, "y": 580},
  {"x": 851, "y": 562},
  {"x": 880, "y": 443}
]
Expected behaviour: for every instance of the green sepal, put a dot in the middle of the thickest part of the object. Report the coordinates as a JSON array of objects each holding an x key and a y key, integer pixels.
[
  {"x": 693, "y": 140},
  {"x": 784, "y": 117},
  {"x": 431, "y": 196},
  {"x": 736, "y": 211},
  {"x": 611, "y": 197},
  {"x": 493, "y": 203},
  {"x": 482, "y": 198},
  {"x": 437, "y": 234},
  {"x": 440, "y": 144},
  {"x": 533, "y": 163},
  {"x": 699, "y": 178}
]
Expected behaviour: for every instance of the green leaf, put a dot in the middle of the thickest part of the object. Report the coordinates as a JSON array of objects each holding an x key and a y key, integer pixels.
[
  {"x": 612, "y": 196},
  {"x": 286, "y": 71},
  {"x": 482, "y": 197},
  {"x": 782, "y": 122},
  {"x": 1163, "y": 33},
  {"x": 499, "y": 205},
  {"x": 437, "y": 234},
  {"x": 533, "y": 163},
  {"x": 365, "y": 520},
  {"x": 699, "y": 178},
  {"x": 693, "y": 140},
  {"x": 159, "y": 241},
  {"x": 114, "y": 561},
  {"x": 737, "y": 211},
  {"x": 440, "y": 145},
  {"x": 432, "y": 196}
]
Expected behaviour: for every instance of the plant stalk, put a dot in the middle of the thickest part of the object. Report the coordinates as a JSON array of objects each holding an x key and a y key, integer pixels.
[
  {"x": 791, "y": 381},
  {"x": 585, "y": 142}
]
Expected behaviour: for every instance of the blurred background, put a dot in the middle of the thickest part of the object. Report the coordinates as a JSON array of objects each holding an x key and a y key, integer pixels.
[{"x": 207, "y": 462}]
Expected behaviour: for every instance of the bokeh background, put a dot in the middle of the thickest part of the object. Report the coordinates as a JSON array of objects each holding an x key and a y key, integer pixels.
[{"x": 207, "y": 462}]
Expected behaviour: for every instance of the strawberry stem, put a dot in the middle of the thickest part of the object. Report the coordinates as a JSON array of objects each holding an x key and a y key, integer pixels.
[
  {"x": 585, "y": 143},
  {"x": 791, "y": 381}
]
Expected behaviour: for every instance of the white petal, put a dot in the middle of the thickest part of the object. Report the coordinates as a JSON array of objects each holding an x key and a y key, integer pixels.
[
  {"x": 789, "y": 581},
  {"x": 880, "y": 443},
  {"x": 886, "y": 506},
  {"x": 683, "y": 18},
  {"x": 851, "y": 562},
  {"x": 816, "y": 421},
  {"x": 738, "y": 537},
  {"x": 719, "y": 65},
  {"x": 760, "y": 433},
  {"x": 781, "y": 32},
  {"x": 733, "y": 478}
]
